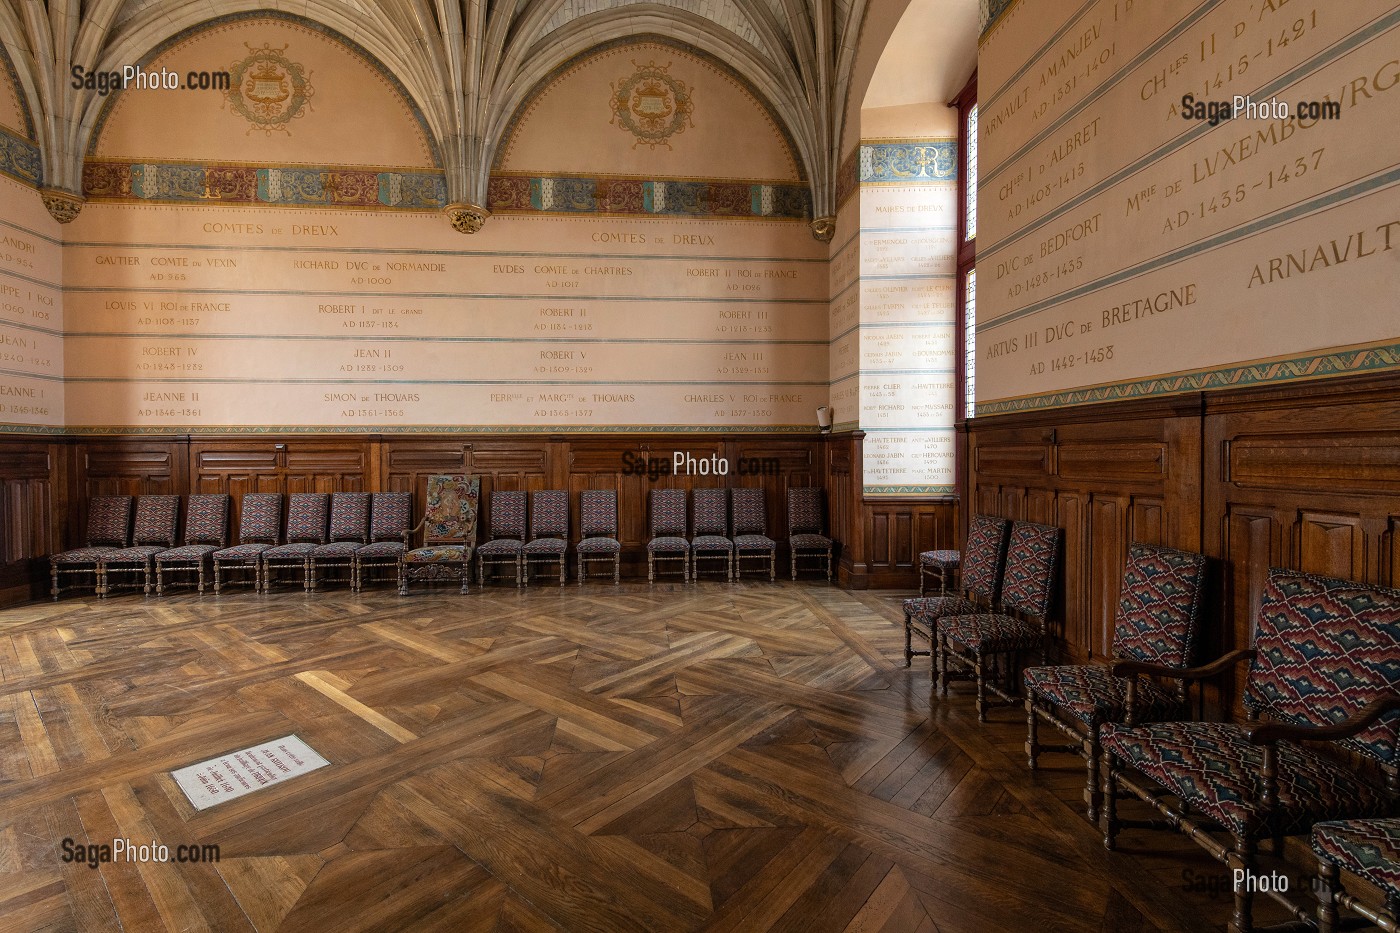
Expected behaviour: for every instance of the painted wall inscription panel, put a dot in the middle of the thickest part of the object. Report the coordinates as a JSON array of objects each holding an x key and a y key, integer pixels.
[{"x": 1127, "y": 250}]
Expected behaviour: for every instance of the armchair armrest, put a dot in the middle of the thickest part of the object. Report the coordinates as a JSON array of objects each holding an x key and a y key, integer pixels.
[
  {"x": 1267, "y": 733},
  {"x": 1223, "y": 663}
]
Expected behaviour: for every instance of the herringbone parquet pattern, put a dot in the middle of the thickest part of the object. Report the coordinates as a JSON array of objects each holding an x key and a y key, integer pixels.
[{"x": 721, "y": 757}]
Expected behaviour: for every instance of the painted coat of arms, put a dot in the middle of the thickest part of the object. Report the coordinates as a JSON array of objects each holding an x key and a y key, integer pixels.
[
  {"x": 651, "y": 105},
  {"x": 269, "y": 90}
]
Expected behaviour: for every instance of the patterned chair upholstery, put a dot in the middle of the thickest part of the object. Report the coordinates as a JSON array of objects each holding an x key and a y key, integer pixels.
[
  {"x": 390, "y": 518},
  {"x": 1159, "y": 614},
  {"x": 108, "y": 529},
  {"x": 307, "y": 514},
  {"x": 668, "y": 541},
  {"x": 709, "y": 527},
  {"x": 967, "y": 642},
  {"x": 597, "y": 521},
  {"x": 508, "y": 529},
  {"x": 750, "y": 514},
  {"x": 349, "y": 531},
  {"x": 806, "y": 529},
  {"x": 1369, "y": 849},
  {"x": 981, "y": 585},
  {"x": 1325, "y": 667},
  {"x": 206, "y": 530},
  {"x": 942, "y": 565},
  {"x": 449, "y": 533},
  {"x": 154, "y": 530},
  {"x": 259, "y": 528},
  {"x": 549, "y": 531}
]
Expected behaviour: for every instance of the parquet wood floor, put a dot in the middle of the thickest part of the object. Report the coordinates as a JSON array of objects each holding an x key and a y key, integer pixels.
[{"x": 713, "y": 756}]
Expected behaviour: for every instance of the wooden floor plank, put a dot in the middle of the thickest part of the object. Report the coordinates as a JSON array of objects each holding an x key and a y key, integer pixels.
[{"x": 678, "y": 757}]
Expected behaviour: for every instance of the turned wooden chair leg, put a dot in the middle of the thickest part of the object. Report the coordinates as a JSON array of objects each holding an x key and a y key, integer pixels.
[
  {"x": 908, "y": 640},
  {"x": 1110, "y": 803},
  {"x": 1325, "y": 887},
  {"x": 1242, "y": 859},
  {"x": 978, "y": 670},
  {"x": 1032, "y": 732},
  {"x": 1092, "y": 753}
]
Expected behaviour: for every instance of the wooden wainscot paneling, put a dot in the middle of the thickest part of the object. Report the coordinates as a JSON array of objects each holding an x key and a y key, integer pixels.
[
  {"x": 1109, "y": 475},
  {"x": 33, "y": 501},
  {"x": 1304, "y": 476}
]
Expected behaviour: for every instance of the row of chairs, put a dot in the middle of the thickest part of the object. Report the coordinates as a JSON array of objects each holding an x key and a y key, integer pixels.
[
  {"x": 329, "y": 537},
  {"x": 726, "y": 526},
  {"x": 348, "y": 536},
  {"x": 1324, "y": 670}
]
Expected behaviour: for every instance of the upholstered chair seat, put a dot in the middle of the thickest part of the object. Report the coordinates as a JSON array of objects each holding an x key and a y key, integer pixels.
[
  {"x": 667, "y": 525},
  {"x": 108, "y": 530},
  {"x": 981, "y": 585},
  {"x": 390, "y": 518},
  {"x": 749, "y": 510},
  {"x": 259, "y": 529},
  {"x": 307, "y": 517},
  {"x": 1158, "y": 616},
  {"x": 806, "y": 529},
  {"x": 206, "y": 531},
  {"x": 597, "y": 510}
]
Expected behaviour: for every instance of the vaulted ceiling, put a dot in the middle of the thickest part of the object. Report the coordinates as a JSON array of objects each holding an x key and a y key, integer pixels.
[{"x": 468, "y": 63}]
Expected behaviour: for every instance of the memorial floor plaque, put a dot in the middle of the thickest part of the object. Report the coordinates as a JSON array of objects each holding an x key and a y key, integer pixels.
[{"x": 230, "y": 776}]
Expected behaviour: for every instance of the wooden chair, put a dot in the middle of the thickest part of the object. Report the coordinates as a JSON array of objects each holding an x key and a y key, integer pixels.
[
  {"x": 668, "y": 541},
  {"x": 508, "y": 529},
  {"x": 153, "y": 531},
  {"x": 449, "y": 534},
  {"x": 1325, "y": 668},
  {"x": 597, "y": 519},
  {"x": 981, "y": 585},
  {"x": 969, "y": 642},
  {"x": 1369, "y": 849},
  {"x": 942, "y": 565},
  {"x": 549, "y": 532},
  {"x": 1159, "y": 614},
  {"x": 750, "y": 513},
  {"x": 806, "y": 529},
  {"x": 206, "y": 531},
  {"x": 108, "y": 529},
  {"x": 349, "y": 531},
  {"x": 307, "y": 513},
  {"x": 259, "y": 529},
  {"x": 390, "y": 519},
  {"x": 709, "y": 527}
]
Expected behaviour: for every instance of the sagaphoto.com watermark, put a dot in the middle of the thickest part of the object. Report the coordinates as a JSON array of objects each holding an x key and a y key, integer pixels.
[
  {"x": 95, "y": 855},
  {"x": 683, "y": 463},
  {"x": 135, "y": 77}
]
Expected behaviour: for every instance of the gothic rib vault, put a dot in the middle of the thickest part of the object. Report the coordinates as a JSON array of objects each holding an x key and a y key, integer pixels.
[{"x": 467, "y": 64}]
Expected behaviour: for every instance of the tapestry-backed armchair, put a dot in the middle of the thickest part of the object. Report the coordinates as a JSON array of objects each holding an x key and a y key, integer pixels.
[
  {"x": 969, "y": 642},
  {"x": 668, "y": 541},
  {"x": 1369, "y": 849},
  {"x": 1159, "y": 614},
  {"x": 108, "y": 529},
  {"x": 206, "y": 530},
  {"x": 751, "y": 539},
  {"x": 449, "y": 533},
  {"x": 154, "y": 530},
  {"x": 508, "y": 530},
  {"x": 709, "y": 528},
  {"x": 598, "y": 544},
  {"x": 390, "y": 518},
  {"x": 806, "y": 528},
  {"x": 307, "y": 514},
  {"x": 981, "y": 585},
  {"x": 259, "y": 528},
  {"x": 549, "y": 532},
  {"x": 349, "y": 531},
  {"x": 1325, "y": 669}
]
